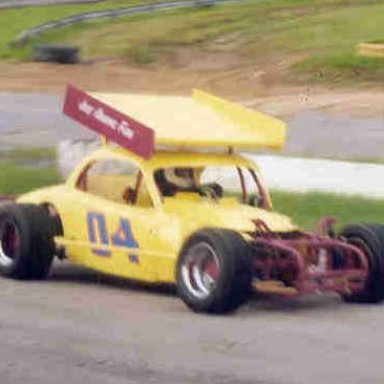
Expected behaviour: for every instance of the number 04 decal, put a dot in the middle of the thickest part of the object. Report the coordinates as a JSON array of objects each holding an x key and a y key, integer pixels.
[{"x": 98, "y": 235}]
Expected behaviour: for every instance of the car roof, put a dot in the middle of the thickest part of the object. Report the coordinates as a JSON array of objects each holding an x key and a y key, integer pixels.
[{"x": 169, "y": 158}]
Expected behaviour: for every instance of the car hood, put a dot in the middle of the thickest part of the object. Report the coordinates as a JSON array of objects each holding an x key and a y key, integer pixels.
[{"x": 226, "y": 213}]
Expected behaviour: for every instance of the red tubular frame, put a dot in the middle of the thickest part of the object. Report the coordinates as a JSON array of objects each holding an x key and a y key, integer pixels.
[{"x": 308, "y": 258}]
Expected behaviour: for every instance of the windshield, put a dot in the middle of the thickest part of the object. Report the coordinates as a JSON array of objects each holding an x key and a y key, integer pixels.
[{"x": 215, "y": 182}]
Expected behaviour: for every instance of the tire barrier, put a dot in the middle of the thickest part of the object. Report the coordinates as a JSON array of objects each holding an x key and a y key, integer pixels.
[{"x": 56, "y": 54}]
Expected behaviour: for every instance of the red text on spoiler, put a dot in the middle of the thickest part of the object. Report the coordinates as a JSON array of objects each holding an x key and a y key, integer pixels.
[{"x": 109, "y": 122}]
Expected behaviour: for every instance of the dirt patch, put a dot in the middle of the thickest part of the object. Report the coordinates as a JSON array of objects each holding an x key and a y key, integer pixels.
[
  {"x": 193, "y": 60},
  {"x": 255, "y": 85},
  {"x": 116, "y": 76}
]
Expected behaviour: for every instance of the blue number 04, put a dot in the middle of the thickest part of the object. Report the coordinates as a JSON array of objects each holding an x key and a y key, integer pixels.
[{"x": 98, "y": 235}]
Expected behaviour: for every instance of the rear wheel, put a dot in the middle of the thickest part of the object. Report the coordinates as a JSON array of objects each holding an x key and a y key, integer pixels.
[
  {"x": 26, "y": 241},
  {"x": 214, "y": 271},
  {"x": 370, "y": 239}
]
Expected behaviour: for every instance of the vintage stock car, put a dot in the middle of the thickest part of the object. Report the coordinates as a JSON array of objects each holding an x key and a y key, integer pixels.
[{"x": 176, "y": 203}]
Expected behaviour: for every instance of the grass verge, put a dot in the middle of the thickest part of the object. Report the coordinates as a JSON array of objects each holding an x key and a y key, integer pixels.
[
  {"x": 24, "y": 169},
  {"x": 307, "y": 208},
  {"x": 317, "y": 37},
  {"x": 16, "y": 179}
]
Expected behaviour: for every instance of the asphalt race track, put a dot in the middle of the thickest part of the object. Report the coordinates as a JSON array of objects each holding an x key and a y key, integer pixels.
[{"x": 81, "y": 327}]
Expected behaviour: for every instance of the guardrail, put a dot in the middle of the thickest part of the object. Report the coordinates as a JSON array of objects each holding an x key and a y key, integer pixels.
[
  {"x": 24, "y": 36},
  {"x": 5, "y": 4}
]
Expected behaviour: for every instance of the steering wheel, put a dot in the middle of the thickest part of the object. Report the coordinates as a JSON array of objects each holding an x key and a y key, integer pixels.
[
  {"x": 212, "y": 190},
  {"x": 254, "y": 200}
]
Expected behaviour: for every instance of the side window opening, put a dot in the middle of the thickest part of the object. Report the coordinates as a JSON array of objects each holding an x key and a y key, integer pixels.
[
  {"x": 212, "y": 181},
  {"x": 115, "y": 180},
  {"x": 239, "y": 182}
]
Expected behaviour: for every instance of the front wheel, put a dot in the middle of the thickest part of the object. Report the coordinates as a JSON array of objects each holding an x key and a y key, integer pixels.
[
  {"x": 214, "y": 271},
  {"x": 370, "y": 239}
]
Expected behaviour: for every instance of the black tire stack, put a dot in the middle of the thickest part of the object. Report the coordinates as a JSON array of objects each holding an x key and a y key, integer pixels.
[{"x": 56, "y": 54}]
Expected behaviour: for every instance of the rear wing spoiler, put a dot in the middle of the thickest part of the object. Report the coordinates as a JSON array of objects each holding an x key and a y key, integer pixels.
[{"x": 138, "y": 123}]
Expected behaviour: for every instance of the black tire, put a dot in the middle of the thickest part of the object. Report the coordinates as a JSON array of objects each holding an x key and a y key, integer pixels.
[
  {"x": 369, "y": 238},
  {"x": 56, "y": 54},
  {"x": 29, "y": 253},
  {"x": 233, "y": 283}
]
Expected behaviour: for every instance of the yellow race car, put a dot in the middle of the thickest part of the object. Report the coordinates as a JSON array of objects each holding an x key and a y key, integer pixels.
[{"x": 180, "y": 206}]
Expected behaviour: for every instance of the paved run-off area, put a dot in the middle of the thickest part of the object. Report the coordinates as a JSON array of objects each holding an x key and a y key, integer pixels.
[{"x": 79, "y": 327}]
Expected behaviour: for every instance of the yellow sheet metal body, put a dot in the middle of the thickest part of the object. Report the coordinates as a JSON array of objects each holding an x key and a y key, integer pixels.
[{"x": 158, "y": 229}]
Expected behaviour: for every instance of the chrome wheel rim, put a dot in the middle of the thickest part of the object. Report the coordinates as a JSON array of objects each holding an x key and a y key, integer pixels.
[
  {"x": 9, "y": 243},
  {"x": 200, "y": 270}
]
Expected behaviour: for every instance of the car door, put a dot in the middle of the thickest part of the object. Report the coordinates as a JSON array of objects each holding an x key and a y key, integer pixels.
[{"x": 119, "y": 221}]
